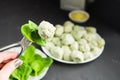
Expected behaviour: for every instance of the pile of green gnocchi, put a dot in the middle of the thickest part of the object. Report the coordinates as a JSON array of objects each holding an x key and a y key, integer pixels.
[{"x": 74, "y": 42}]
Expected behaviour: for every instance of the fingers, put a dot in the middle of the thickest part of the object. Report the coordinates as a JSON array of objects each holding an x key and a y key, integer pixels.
[
  {"x": 4, "y": 62},
  {"x": 7, "y": 55},
  {"x": 10, "y": 67}
]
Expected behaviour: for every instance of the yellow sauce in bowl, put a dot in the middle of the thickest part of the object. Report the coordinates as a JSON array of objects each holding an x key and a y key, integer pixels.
[{"x": 79, "y": 16}]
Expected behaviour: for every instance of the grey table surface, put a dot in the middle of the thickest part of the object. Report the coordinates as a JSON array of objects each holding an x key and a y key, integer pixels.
[{"x": 14, "y": 13}]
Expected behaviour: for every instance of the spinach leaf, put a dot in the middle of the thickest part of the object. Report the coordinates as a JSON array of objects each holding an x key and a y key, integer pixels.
[
  {"x": 33, "y": 64},
  {"x": 26, "y": 31},
  {"x": 32, "y": 25},
  {"x": 37, "y": 39},
  {"x": 21, "y": 73},
  {"x": 29, "y": 54},
  {"x": 40, "y": 64},
  {"x": 37, "y": 67},
  {"x": 30, "y": 31}
]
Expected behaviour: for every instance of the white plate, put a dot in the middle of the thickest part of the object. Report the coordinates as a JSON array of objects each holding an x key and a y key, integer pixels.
[
  {"x": 71, "y": 62},
  {"x": 17, "y": 49}
]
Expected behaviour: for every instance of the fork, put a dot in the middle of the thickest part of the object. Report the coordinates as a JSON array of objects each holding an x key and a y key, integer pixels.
[{"x": 24, "y": 43}]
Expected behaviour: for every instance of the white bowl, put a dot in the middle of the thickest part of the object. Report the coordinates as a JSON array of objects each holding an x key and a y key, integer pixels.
[{"x": 79, "y": 16}]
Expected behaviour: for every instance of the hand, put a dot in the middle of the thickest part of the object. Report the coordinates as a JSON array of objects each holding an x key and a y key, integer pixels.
[{"x": 8, "y": 63}]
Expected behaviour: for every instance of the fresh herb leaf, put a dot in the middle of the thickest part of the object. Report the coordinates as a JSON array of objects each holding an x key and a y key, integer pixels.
[
  {"x": 37, "y": 39},
  {"x": 26, "y": 31},
  {"x": 33, "y": 64},
  {"x": 32, "y": 25},
  {"x": 18, "y": 74},
  {"x": 30, "y": 31}
]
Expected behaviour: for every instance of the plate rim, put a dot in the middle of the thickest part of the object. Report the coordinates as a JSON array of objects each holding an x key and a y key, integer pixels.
[{"x": 71, "y": 62}]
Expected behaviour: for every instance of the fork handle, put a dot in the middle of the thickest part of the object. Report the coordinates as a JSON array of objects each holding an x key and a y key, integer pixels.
[
  {"x": 10, "y": 46},
  {"x": 21, "y": 51}
]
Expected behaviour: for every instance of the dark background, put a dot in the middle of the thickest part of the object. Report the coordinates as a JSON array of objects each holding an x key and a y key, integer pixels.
[
  {"x": 108, "y": 11},
  {"x": 104, "y": 15}
]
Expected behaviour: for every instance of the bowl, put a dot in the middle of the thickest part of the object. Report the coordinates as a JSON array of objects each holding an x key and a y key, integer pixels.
[
  {"x": 72, "y": 62},
  {"x": 78, "y": 46},
  {"x": 79, "y": 16}
]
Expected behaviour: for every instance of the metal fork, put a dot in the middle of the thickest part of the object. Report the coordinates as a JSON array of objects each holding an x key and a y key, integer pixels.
[{"x": 24, "y": 43}]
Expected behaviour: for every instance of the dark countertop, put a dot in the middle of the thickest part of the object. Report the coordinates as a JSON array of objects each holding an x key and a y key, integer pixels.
[{"x": 14, "y": 13}]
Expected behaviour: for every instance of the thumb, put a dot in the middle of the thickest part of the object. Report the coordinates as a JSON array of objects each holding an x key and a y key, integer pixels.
[{"x": 10, "y": 67}]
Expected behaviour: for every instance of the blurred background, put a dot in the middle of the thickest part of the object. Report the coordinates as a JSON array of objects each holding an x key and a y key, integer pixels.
[
  {"x": 108, "y": 11},
  {"x": 14, "y": 13},
  {"x": 104, "y": 15}
]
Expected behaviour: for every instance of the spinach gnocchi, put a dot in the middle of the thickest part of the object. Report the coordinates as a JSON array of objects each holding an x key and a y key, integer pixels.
[{"x": 75, "y": 43}]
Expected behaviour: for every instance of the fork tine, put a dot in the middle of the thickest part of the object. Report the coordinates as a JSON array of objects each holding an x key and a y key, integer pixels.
[{"x": 24, "y": 44}]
